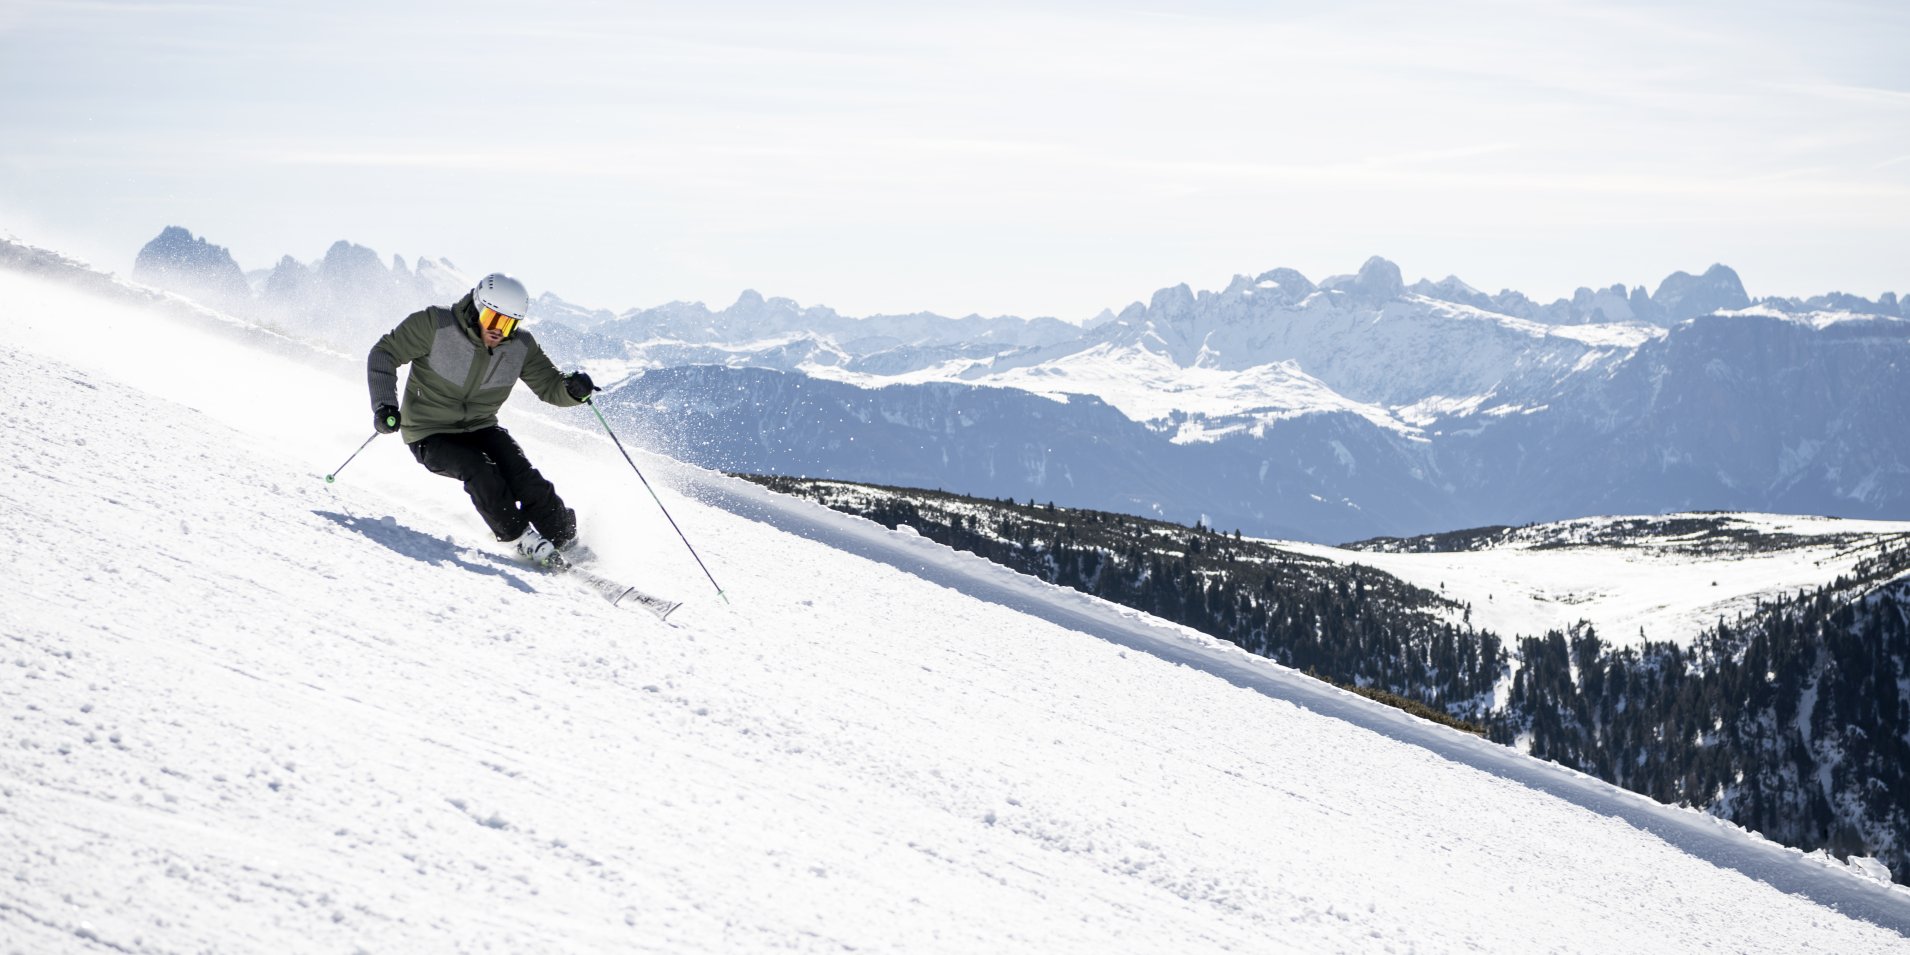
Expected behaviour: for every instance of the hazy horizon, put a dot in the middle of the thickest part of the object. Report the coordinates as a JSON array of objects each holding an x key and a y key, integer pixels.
[
  {"x": 1055, "y": 159},
  {"x": 412, "y": 262}
]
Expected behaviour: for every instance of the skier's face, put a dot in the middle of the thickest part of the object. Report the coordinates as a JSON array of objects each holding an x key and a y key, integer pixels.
[{"x": 496, "y": 326}]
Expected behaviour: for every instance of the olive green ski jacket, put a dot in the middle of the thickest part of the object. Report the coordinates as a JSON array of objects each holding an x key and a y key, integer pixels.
[{"x": 456, "y": 384}]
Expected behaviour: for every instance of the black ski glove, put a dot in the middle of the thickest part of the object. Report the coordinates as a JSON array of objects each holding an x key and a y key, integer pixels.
[
  {"x": 385, "y": 419},
  {"x": 577, "y": 385}
]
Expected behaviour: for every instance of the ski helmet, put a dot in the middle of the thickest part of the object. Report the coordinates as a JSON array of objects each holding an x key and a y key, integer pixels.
[{"x": 501, "y": 294}]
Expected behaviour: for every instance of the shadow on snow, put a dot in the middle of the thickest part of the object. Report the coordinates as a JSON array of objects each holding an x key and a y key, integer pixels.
[{"x": 422, "y": 547}]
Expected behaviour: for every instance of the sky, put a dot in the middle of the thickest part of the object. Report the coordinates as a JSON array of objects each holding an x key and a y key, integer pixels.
[
  {"x": 247, "y": 710},
  {"x": 1045, "y": 158}
]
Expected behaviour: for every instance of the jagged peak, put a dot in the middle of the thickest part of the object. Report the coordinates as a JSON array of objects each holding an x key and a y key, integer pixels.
[
  {"x": 178, "y": 242},
  {"x": 1682, "y": 295},
  {"x": 1290, "y": 281},
  {"x": 179, "y": 260},
  {"x": 1281, "y": 276},
  {"x": 1172, "y": 299},
  {"x": 1378, "y": 280},
  {"x": 1381, "y": 271},
  {"x": 1718, "y": 274}
]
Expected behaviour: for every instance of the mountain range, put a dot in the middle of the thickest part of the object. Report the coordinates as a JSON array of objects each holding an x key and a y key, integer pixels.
[{"x": 1355, "y": 407}]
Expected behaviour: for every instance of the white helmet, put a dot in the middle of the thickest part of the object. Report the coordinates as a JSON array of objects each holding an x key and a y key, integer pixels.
[{"x": 503, "y": 294}]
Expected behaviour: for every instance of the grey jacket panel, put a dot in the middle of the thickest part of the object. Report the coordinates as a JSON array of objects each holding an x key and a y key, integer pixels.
[
  {"x": 452, "y": 350},
  {"x": 506, "y": 365}
]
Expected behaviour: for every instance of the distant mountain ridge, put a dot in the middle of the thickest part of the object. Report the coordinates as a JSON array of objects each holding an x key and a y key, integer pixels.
[
  {"x": 349, "y": 290},
  {"x": 1355, "y": 407},
  {"x": 353, "y": 278}
]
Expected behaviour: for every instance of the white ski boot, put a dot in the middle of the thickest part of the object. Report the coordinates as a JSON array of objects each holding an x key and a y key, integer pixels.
[{"x": 535, "y": 548}]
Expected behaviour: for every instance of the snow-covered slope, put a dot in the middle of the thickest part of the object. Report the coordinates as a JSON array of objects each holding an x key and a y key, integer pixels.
[{"x": 247, "y": 711}]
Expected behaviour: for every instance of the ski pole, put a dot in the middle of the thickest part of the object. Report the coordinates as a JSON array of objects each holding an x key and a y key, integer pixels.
[
  {"x": 334, "y": 474},
  {"x": 654, "y": 497}
]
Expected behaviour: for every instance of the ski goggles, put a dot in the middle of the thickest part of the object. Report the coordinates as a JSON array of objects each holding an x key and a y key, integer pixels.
[{"x": 494, "y": 320}]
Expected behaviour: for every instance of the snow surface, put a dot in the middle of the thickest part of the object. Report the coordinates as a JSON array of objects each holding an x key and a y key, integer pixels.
[
  {"x": 250, "y": 711},
  {"x": 1653, "y": 587}
]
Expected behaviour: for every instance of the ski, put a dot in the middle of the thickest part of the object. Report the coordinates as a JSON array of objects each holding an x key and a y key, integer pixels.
[{"x": 619, "y": 594}]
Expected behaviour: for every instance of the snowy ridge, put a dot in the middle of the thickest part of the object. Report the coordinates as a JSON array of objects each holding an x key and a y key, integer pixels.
[
  {"x": 249, "y": 712},
  {"x": 1199, "y": 354},
  {"x": 1148, "y": 387}
]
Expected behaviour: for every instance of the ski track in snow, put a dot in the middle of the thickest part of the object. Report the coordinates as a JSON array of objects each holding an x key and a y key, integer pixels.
[{"x": 247, "y": 711}]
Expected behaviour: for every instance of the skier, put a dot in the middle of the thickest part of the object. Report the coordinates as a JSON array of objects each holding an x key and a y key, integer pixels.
[{"x": 464, "y": 361}]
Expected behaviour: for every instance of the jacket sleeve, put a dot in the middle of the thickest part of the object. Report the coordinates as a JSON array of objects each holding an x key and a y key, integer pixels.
[
  {"x": 407, "y": 343},
  {"x": 543, "y": 377}
]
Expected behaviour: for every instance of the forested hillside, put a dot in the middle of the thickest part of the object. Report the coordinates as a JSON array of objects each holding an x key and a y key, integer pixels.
[{"x": 1353, "y": 625}]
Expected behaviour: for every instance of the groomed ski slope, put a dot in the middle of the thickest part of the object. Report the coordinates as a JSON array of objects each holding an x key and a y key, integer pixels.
[{"x": 247, "y": 711}]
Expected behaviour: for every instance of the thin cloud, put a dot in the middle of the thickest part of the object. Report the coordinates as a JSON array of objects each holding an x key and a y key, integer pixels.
[{"x": 1108, "y": 138}]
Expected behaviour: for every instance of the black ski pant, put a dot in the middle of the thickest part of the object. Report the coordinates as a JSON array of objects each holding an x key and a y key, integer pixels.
[{"x": 508, "y": 492}]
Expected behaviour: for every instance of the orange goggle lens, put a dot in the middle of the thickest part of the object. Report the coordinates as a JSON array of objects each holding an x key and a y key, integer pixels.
[{"x": 497, "y": 321}]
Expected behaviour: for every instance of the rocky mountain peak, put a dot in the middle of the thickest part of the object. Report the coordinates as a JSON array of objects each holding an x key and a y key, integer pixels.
[
  {"x": 1379, "y": 280},
  {"x": 1453, "y": 289},
  {"x": 1170, "y": 303},
  {"x": 345, "y": 258},
  {"x": 1682, "y": 295},
  {"x": 177, "y": 260},
  {"x": 1287, "y": 285}
]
